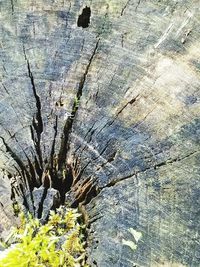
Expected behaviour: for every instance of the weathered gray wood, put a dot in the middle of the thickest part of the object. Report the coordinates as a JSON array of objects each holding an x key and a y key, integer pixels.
[
  {"x": 6, "y": 206},
  {"x": 115, "y": 106}
]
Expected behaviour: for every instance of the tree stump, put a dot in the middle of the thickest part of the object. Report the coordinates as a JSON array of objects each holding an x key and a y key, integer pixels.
[{"x": 100, "y": 101}]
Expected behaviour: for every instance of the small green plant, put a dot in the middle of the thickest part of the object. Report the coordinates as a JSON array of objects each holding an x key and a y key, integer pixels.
[
  {"x": 16, "y": 209},
  {"x": 58, "y": 243},
  {"x": 76, "y": 104}
]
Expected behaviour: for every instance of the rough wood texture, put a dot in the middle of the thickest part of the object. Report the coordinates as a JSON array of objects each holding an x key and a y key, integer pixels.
[{"x": 111, "y": 112}]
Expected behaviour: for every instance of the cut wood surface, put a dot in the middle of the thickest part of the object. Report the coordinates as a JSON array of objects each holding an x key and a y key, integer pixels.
[{"x": 101, "y": 101}]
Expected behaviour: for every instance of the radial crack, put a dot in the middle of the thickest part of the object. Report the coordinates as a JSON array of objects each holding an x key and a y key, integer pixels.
[
  {"x": 164, "y": 163},
  {"x": 124, "y": 8},
  {"x": 12, "y": 6},
  {"x": 109, "y": 123},
  {"x": 53, "y": 147},
  {"x": 171, "y": 161},
  {"x": 69, "y": 123},
  {"x": 37, "y": 123},
  {"x": 138, "y": 3},
  {"x": 130, "y": 102},
  {"x": 24, "y": 174},
  {"x": 16, "y": 159}
]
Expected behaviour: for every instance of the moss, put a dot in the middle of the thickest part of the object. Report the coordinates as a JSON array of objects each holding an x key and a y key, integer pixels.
[{"x": 58, "y": 243}]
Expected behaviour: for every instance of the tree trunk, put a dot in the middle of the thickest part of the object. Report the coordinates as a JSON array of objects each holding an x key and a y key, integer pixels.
[{"x": 100, "y": 100}]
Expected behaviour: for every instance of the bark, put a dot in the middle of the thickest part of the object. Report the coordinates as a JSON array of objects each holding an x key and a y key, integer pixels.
[{"x": 100, "y": 100}]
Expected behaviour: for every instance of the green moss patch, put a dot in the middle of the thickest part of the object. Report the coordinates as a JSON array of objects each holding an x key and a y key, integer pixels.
[{"x": 58, "y": 243}]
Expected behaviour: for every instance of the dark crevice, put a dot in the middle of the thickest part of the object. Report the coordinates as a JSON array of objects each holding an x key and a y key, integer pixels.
[
  {"x": 40, "y": 208},
  {"x": 109, "y": 123},
  {"x": 77, "y": 177},
  {"x": 37, "y": 142},
  {"x": 46, "y": 180},
  {"x": 37, "y": 122},
  {"x": 112, "y": 157},
  {"x": 33, "y": 180},
  {"x": 38, "y": 170},
  {"x": 128, "y": 103},
  {"x": 86, "y": 181},
  {"x": 17, "y": 170},
  {"x": 26, "y": 177},
  {"x": 32, "y": 134},
  {"x": 91, "y": 134},
  {"x": 69, "y": 123},
  {"x": 34, "y": 177},
  {"x": 81, "y": 193},
  {"x": 171, "y": 161},
  {"x": 117, "y": 180},
  {"x": 85, "y": 193},
  {"x": 92, "y": 193},
  {"x": 52, "y": 160},
  {"x": 18, "y": 191},
  {"x": 109, "y": 160},
  {"x": 135, "y": 173},
  {"x": 103, "y": 150},
  {"x": 25, "y": 203},
  {"x": 12, "y": 6},
  {"x": 138, "y": 3},
  {"x": 18, "y": 161},
  {"x": 46, "y": 183},
  {"x": 95, "y": 219},
  {"x": 95, "y": 263},
  {"x": 5, "y": 89},
  {"x": 84, "y": 18},
  {"x": 66, "y": 184},
  {"x": 64, "y": 143},
  {"x": 124, "y": 8}
]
